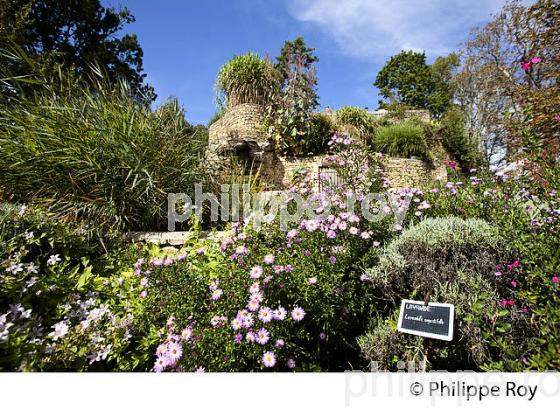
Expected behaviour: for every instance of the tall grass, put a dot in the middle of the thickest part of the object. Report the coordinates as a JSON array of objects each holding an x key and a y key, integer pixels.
[
  {"x": 247, "y": 79},
  {"x": 404, "y": 139},
  {"x": 94, "y": 154}
]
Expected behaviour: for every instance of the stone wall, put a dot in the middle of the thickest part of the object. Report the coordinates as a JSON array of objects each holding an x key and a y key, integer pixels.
[
  {"x": 243, "y": 122},
  {"x": 240, "y": 133},
  {"x": 404, "y": 172}
]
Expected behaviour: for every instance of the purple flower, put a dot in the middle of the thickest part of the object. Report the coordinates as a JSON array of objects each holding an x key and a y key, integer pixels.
[
  {"x": 269, "y": 259},
  {"x": 298, "y": 314},
  {"x": 217, "y": 294},
  {"x": 250, "y": 337},
  {"x": 254, "y": 288},
  {"x": 174, "y": 352},
  {"x": 333, "y": 259},
  {"x": 291, "y": 363},
  {"x": 265, "y": 314},
  {"x": 256, "y": 272},
  {"x": 238, "y": 338},
  {"x": 280, "y": 313},
  {"x": 332, "y": 234},
  {"x": 236, "y": 323},
  {"x": 279, "y": 344},
  {"x": 269, "y": 359},
  {"x": 263, "y": 336},
  {"x": 313, "y": 280}
]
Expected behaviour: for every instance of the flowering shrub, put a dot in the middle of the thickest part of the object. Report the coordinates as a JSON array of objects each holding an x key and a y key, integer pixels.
[
  {"x": 274, "y": 298},
  {"x": 58, "y": 312}
]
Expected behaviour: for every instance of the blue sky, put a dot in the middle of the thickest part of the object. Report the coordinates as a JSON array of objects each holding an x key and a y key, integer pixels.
[{"x": 186, "y": 42}]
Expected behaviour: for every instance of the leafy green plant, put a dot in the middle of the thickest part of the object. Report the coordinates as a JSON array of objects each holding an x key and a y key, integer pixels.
[
  {"x": 247, "y": 79},
  {"x": 97, "y": 155},
  {"x": 356, "y": 122},
  {"x": 66, "y": 303},
  {"x": 405, "y": 139},
  {"x": 455, "y": 140}
]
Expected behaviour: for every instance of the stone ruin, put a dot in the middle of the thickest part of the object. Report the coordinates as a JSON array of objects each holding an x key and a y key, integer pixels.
[{"x": 239, "y": 133}]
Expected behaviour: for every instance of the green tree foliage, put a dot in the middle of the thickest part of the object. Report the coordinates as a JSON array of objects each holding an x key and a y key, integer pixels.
[
  {"x": 296, "y": 66},
  {"x": 77, "y": 33},
  {"x": 443, "y": 71},
  {"x": 289, "y": 120},
  {"x": 406, "y": 79}
]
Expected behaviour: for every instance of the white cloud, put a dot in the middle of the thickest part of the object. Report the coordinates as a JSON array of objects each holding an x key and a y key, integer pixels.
[{"x": 375, "y": 28}]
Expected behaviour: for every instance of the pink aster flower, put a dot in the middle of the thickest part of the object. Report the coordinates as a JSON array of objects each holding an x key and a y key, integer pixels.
[
  {"x": 269, "y": 359},
  {"x": 200, "y": 369},
  {"x": 292, "y": 233},
  {"x": 536, "y": 60},
  {"x": 254, "y": 288},
  {"x": 238, "y": 338},
  {"x": 186, "y": 334},
  {"x": 250, "y": 337},
  {"x": 265, "y": 314},
  {"x": 217, "y": 294},
  {"x": 279, "y": 344},
  {"x": 313, "y": 280},
  {"x": 332, "y": 234},
  {"x": 353, "y": 230},
  {"x": 143, "y": 294},
  {"x": 291, "y": 363},
  {"x": 248, "y": 321},
  {"x": 555, "y": 279},
  {"x": 262, "y": 336},
  {"x": 311, "y": 225},
  {"x": 298, "y": 314},
  {"x": 269, "y": 259},
  {"x": 253, "y": 305},
  {"x": 236, "y": 323},
  {"x": 256, "y": 272},
  {"x": 160, "y": 365},
  {"x": 144, "y": 282},
  {"x": 365, "y": 235},
  {"x": 174, "y": 352},
  {"x": 280, "y": 313}
]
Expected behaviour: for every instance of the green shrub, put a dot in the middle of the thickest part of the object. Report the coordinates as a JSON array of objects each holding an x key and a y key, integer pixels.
[
  {"x": 247, "y": 79},
  {"x": 433, "y": 252},
  {"x": 464, "y": 149},
  {"x": 97, "y": 155},
  {"x": 66, "y": 304},
  {"x": 321, "y": 129},
  {"x": 405, "y": 139},
  {"x": 357, "y": 122}
]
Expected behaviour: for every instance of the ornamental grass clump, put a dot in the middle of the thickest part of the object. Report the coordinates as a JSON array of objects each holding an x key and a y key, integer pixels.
[
  {"x": 357, "y": 122},
  {"x": 92, "y": 153},
  {"x": 247, "y": 79},
  {"x": 404, "y": 139}
]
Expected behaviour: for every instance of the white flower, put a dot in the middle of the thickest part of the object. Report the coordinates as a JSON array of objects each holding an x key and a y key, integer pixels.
[
  {"x": 31, "y": 268},
  {"x": 15, "y": 268},
  {"x": 53, "y": 260},
  {"x": 28, "y": 235},
  {"x": 60, "y": 330}
]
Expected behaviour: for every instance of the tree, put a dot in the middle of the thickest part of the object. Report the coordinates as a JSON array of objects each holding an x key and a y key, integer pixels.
[
  {"x": 296, "y": 66},
  {"x": 289, "y": 119},
  {"x": 76, "y": 33},
  {"x": 406, "y": 79},
  {"x": 510, "y": 75},
  {"x": 443, "y": 71}
]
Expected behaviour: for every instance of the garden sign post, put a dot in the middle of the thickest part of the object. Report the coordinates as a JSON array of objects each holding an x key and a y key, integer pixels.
[{"x": 431, "y": 320}]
